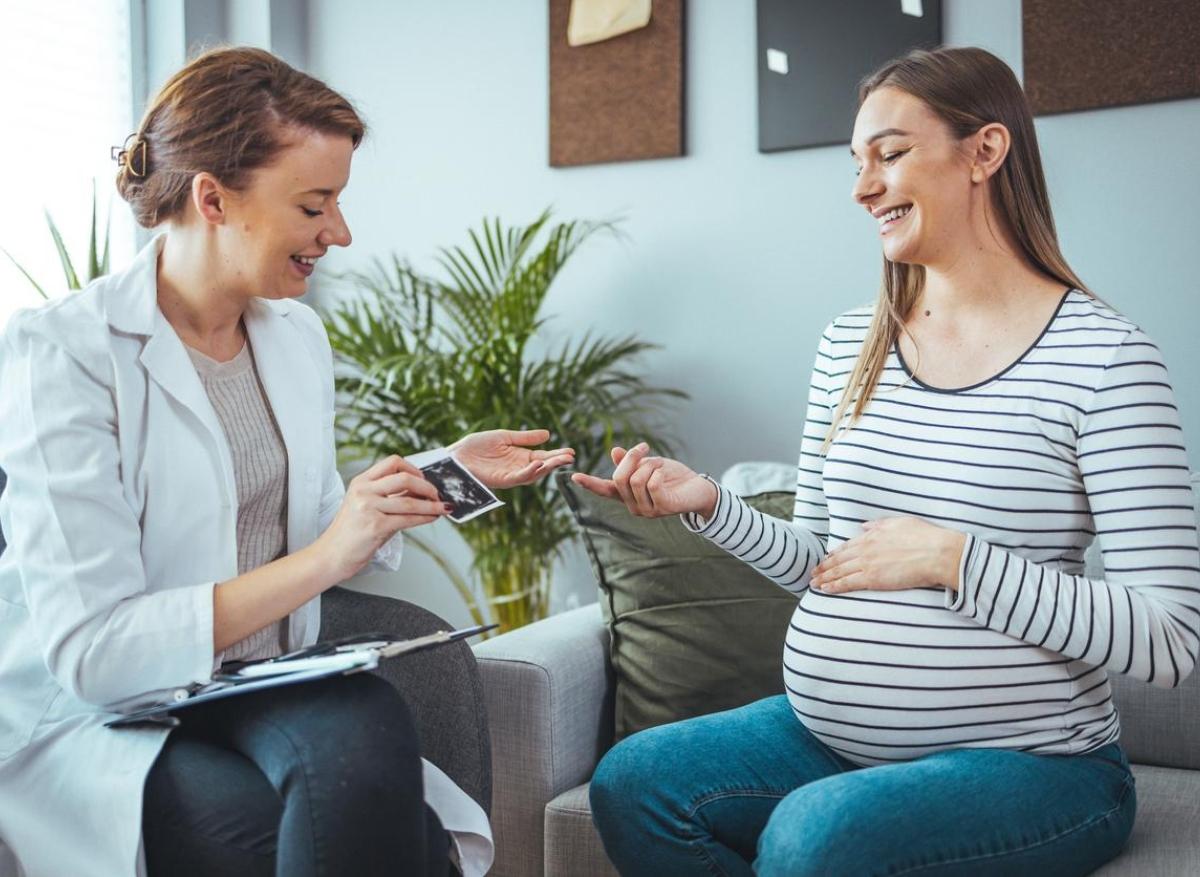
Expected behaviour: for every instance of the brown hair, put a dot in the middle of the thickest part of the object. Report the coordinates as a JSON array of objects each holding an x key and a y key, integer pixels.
[
  {"x": 227, "y": 112},
  {"x": 967, "y": 88}
]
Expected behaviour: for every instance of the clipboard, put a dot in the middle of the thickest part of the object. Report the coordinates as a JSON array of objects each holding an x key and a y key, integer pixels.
[{"x": 340, "y": 657}]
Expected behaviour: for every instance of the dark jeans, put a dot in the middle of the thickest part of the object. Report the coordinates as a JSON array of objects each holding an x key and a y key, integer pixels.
[{"x": 319, "y": 778}]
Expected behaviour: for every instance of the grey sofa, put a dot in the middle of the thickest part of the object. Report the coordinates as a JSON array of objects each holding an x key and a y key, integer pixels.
[{"x": 549, "y": 694}]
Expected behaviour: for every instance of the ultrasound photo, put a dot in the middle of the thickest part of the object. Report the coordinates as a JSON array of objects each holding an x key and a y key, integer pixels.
[{"x": 460, "y": 488}]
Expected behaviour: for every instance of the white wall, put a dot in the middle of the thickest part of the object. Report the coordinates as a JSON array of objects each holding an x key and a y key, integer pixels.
[{"x": 736, "y": 259}]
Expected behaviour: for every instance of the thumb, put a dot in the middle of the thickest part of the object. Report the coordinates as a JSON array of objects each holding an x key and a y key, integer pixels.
[{"x": 528, "y": 437}]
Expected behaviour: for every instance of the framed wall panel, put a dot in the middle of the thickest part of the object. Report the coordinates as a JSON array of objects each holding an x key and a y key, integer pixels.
[
  {"x": 1081, "y": 55},
  {"x": 813, "y": 53},
  {"x": 620, "y": 99}
]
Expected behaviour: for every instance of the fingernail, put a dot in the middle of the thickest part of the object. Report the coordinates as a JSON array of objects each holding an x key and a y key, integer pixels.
[{"x": 448, "y": 507}]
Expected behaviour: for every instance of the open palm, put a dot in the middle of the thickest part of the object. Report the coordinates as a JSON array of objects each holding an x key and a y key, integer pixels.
[{"x": 508, "y": 458}]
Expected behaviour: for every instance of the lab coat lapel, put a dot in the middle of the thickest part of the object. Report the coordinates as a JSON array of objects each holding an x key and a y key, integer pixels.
[
  {"x": 291, "y": 381},
  {"x": 168, "y": 365},
  {"x": 132, "y": 307}
]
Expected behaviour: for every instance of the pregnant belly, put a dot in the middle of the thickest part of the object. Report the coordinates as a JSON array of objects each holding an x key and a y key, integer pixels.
[{"x": 883, "y": 676}]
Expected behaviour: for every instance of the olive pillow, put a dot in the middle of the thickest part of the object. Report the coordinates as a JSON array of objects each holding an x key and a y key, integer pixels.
[{"x": 693, "y": 629}]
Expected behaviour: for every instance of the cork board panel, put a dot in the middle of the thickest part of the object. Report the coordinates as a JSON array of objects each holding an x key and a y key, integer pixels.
[
  {"x": 1080, "y": 55},
  {"x": 620, "y": 99}
]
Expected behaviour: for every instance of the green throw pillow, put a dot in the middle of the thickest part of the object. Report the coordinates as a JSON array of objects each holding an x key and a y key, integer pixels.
[{"x": 694, "y": 629}]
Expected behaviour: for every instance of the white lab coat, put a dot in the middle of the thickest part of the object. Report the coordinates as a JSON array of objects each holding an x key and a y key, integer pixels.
[{"x": 120, "y": 513}]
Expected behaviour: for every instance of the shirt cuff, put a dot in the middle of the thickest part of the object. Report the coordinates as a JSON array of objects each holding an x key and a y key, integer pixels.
[
  {"x": 390, "y": 553},
  {"x": 964, "y": 597},
  {"x": 696, "y": 522}
]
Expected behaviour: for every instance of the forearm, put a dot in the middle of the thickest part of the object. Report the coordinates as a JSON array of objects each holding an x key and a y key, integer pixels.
[
  {"x": 1145, "y": 630},
  {"x": 257, "y": 598},
  {"x": 785, "y": 552}
]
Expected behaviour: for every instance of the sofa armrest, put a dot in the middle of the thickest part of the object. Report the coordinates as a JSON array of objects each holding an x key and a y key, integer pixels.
[{"x": 548, "y": 689}]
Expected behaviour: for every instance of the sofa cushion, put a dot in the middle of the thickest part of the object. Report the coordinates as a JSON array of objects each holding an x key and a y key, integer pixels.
[
  {"x": 1164, "y": 842},
  {"x": 693, "y": 629},
  {"x": 573, "y": 847}
]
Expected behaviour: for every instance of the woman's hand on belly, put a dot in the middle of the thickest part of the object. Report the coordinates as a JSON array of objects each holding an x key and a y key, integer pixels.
[{"x": 892, "y": 554}]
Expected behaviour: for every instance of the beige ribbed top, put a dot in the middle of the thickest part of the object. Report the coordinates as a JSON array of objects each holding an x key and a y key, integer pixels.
[{"x": 260, "y": 473}]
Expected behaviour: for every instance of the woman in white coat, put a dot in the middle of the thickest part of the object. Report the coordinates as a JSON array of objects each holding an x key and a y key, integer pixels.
[{"x": 173, "y": 503}]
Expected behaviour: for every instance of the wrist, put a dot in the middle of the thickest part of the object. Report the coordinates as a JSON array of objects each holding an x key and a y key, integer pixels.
[
  {"x": 708, "y": 507},
  {"x": 950, "y": 558},
  {"x": 319, "y": 566}
]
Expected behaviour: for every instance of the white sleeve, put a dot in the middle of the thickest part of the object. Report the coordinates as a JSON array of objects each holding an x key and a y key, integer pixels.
[
  {"x": 333, "y": 489},
  {"x": 104, "y": 635}
]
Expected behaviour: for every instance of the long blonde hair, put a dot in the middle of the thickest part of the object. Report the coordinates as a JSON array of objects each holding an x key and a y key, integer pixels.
[{"x": 967, "y": 88}]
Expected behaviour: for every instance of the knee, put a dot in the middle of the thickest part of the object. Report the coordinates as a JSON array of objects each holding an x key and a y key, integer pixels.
[
  {"x": 628, "y": 778},
  {"x": 361, "y": 721},
  {"x": 812, "y": 833},
  {"x": 376, "y": 705}
]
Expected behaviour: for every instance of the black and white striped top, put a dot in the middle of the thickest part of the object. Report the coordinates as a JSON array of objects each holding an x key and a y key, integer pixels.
[{"x": 1079, "y": 438}]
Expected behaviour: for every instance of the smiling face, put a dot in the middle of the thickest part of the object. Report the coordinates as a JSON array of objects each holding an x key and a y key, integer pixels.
[
  {"x": 288, "y": 217},
  {"x": 913, "y": 177}
]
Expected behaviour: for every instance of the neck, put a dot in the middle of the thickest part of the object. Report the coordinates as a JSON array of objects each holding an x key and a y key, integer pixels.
[
  {"x": 986, "y": 274},
  {"x": 192, "y": 296}
]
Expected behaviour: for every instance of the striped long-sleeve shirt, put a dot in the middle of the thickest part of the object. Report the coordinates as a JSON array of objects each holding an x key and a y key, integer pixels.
[{"x": 1078, "y": 439}]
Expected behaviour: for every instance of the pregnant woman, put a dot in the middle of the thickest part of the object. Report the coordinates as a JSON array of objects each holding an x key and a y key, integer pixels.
[{"x": 947, "y": 706}]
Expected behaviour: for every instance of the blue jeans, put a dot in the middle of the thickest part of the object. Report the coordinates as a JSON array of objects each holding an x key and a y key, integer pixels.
[{"x": 751, "y": 790}]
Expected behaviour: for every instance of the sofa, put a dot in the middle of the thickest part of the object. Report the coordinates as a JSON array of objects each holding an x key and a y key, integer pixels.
[{"x": 549, "y": 691}]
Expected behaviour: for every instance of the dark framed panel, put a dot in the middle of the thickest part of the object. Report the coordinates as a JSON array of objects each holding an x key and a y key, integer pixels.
[
  {"x": 827, "y": 47},
  {"x": 1081, "y": 55}
]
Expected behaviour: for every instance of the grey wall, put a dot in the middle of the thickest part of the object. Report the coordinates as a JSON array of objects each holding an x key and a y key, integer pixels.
[{"x": 736, "y": 260}]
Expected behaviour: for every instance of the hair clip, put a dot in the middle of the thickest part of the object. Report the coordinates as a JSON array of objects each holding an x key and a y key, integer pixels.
[{"x": 124, "y": 155}]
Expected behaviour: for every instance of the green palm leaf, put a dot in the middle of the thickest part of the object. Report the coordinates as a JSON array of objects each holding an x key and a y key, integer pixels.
[{"x": 421, "y": 361}]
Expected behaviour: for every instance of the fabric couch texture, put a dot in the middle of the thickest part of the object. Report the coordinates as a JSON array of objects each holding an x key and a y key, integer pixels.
[
  {"x": 693, "y": 630},
  {"x": 550, "y": 690},
  {"x": 442, "y": 686}
]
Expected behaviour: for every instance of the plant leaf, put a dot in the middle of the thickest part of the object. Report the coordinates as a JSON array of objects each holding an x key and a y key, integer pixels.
[
  {"x": 68, "y": 269},
  {"x": 28, "y": 276}
]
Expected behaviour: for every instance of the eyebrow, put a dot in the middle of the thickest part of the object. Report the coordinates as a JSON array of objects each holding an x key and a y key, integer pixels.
[
  {"x": 325, "y": 192},
  {"x": 879, "y": 135}
]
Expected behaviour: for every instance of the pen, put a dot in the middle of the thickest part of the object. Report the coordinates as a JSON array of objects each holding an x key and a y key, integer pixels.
[{"x": 338, "y": 660}]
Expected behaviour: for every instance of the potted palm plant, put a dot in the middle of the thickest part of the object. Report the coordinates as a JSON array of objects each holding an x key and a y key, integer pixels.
[{"x": 422, "y": 360}]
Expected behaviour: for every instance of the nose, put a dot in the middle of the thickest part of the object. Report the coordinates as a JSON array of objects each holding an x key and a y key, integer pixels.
[
  {"x": 337, "y": 232},
  {"x": 867, "y": 187}
]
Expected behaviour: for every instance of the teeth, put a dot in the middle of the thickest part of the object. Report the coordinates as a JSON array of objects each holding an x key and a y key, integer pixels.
[
  {"x": 305, "y": 260},
  {"x": 894, "y": 214}
]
